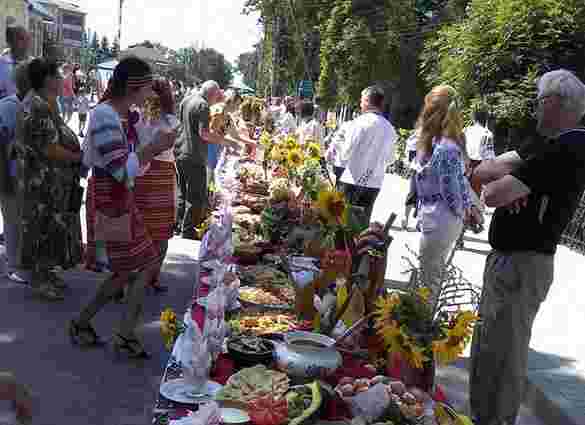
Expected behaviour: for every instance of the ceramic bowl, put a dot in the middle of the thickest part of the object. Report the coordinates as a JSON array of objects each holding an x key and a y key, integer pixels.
[{"x": 244, "y": 358}]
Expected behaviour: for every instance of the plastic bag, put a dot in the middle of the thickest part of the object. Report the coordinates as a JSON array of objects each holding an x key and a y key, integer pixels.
[
  {"x": 191, "y": 351},
  {"x": 214, "y": 330},
  {"x": 217, "y": 242},
  {"x": 370, "y": 404}
]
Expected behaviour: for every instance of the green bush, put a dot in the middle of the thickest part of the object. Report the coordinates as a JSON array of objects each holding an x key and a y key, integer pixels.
[{"x": 494, "y": 55}]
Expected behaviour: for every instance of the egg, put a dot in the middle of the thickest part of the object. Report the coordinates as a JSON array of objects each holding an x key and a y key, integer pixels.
[
  {"x": 398, "y": 387},
  {"x": 408, "y": 398},
  {"x": 346, "y": 380},
  {"x": 419, "y": 394},
  {"x": 346, "y": 390}
]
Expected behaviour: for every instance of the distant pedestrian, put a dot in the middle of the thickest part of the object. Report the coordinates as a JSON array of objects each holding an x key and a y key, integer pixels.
[{"x": 83, "y": 107}]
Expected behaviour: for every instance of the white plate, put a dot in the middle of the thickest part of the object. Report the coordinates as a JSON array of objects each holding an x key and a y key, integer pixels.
[
  {"x": 234, "y": 416},
  {"x": 180, "y": 391}
]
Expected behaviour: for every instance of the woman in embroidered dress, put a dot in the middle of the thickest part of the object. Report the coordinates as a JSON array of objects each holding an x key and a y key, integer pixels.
[
  {"x": 441, "y": 186},
  {"x": 48, "y": 193},
  {"x": 119, "y": 226},
  {"x": 155, "y": 190}
]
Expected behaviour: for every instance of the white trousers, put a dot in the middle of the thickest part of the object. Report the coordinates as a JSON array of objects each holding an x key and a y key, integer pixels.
[{"x": 435, "y": 247}]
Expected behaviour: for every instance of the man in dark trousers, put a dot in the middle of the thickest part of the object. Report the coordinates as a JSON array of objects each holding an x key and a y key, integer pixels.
[{"x": 535, "y": 190}]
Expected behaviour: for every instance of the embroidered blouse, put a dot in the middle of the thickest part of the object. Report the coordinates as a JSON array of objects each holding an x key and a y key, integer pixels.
[
  {"x": 108, "y": 146},
  {"x": 441, "y": 179}
]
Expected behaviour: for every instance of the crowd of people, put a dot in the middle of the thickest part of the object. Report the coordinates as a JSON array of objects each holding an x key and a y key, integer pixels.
[{"x": 140, "y": 148}]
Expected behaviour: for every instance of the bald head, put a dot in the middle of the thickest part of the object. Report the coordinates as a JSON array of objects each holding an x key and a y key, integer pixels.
[{"x": 211, "y": 92}]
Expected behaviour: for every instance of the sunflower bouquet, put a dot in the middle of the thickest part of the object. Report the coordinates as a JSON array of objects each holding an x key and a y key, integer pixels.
[
  {"x": 405, "y": 321},
  {"x": 170, "y": 327}
]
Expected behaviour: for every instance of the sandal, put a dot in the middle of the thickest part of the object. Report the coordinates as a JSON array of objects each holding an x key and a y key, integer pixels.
[
  {"x": 158, "y": 288},
  {"x": 49, "y": 292},
  {"x": 133, "y": 348},
  {"x": 78, "y": 335}
]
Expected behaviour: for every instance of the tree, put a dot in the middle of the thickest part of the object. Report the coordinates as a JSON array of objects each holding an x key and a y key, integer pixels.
[
  {"x": 494, "y": 55},
  {"x": 247, "y": 63}
]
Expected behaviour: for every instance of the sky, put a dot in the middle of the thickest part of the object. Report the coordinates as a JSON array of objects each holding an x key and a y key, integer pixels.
[{"x": 177, "y": 23}]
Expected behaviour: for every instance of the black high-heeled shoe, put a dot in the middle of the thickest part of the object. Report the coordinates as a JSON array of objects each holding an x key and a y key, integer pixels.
[
  {"x": 76, "y": 333},
  {"x": 131, "y": 346}
]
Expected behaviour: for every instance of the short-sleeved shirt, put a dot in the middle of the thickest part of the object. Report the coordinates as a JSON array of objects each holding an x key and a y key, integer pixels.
[
  {"x": 479, "y": 143},
  {"x": 556, "y": 178},
  {"x": 195, "y": 117}
]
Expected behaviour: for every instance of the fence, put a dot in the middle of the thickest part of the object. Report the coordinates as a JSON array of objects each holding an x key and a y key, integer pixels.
[{"x": 574, "y": 235}]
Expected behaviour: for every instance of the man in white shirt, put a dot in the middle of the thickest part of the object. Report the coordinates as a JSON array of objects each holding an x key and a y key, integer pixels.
[
  {"x": 480, "y": 144},
  {"x": 19, "y": 41},
  {"x": 370, "y": 146}
]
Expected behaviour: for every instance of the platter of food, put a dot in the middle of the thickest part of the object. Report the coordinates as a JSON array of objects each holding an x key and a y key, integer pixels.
[
  {"x": 261, "y": 275},
  {"x": 252, "y": 383},
  {"x": 263, "y": 323},
  {"x": 279, "y": 296}
]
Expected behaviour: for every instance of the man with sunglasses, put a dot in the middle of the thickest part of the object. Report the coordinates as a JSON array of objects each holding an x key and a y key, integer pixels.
[{"x": 532, "y": 210}]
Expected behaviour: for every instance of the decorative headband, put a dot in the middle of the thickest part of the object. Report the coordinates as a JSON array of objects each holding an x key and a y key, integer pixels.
[{"x": 136, "y": 82}]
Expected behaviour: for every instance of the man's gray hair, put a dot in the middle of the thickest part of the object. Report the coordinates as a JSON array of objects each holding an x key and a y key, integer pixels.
[
  {"x": 207, "y": 87},
  {"x": 375, "y": 95},
  {"x": 567, "y": 86}
]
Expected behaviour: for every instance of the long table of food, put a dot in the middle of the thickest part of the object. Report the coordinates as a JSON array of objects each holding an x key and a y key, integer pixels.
[{"x": 290, "y": 322}]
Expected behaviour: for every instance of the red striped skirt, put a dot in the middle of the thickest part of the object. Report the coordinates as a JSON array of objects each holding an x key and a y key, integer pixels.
[
  {"x": 139, "y": 253},
  {"x": 155, "y": 199}
]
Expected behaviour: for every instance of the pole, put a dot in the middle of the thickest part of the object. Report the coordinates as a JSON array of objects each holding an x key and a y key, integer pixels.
[{"x": 120, "y": 27}]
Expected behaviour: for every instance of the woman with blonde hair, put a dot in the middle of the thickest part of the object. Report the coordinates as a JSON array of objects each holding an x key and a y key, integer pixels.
[{"x": 442, "y": 188}]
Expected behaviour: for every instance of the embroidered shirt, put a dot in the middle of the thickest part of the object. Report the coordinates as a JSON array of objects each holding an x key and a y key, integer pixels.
[
  {"x": 440, "y": 179},
  {"x": 370, "y": 146}
]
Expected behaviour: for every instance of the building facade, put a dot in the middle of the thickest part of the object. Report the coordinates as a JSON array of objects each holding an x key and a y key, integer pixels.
[
  {"x": 68, "y": 30},
  {"x": 29, "y": 14}
]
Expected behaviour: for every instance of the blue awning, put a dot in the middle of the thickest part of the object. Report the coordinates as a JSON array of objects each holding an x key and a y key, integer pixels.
[{"x": 38, "y": 9}]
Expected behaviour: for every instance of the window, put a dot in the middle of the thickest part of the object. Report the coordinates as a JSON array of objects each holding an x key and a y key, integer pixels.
[
  {"x": 72, "y": 35},
  {"x": 73, "y": 20}
]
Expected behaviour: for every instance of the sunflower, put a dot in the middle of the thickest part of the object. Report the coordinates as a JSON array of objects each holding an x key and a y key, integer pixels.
[
  {"x": 295, "y": 158},
  {"x": 464, "y": 323},
  {"x": 169, "y": 327},
  {"x": 291, "y": 143},
  {"x": 276, "y": 154},
  {"x": 424, "y": 293},
  {"x": 445, "y": 352},
  {"x": 332, "y": 206},
  {"x": 416, "y": 356},
  {"x": 265, "y": 139},
  {"x": 314, "y": 150}
]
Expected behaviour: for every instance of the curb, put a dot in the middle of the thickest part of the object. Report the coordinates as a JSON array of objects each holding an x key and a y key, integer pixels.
[{"x": 548, "y": 401}]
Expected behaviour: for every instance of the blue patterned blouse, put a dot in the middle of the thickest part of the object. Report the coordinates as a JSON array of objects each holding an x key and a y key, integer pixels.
[{"x": 440, "y": 179}]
